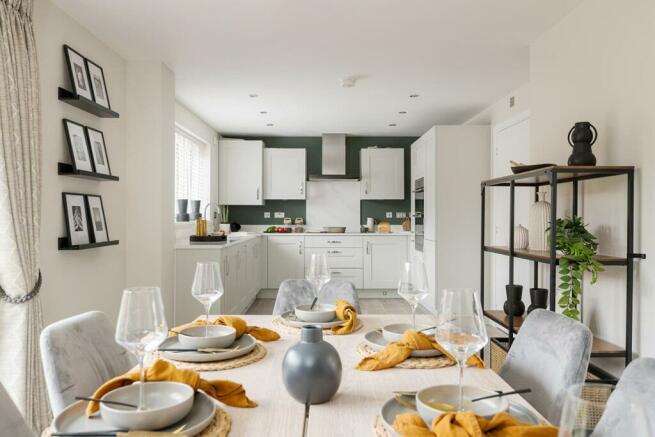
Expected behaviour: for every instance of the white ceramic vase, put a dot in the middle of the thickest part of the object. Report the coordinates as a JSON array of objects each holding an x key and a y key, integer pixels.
[
  {"x": 521, "y": 239},
  {"x": 539, "y": 223}
]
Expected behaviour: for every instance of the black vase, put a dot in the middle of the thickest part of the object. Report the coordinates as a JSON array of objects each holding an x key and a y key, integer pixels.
[
  {"x": 538, "y": 299},
  {"x": 514, "y": 293},
  {"x": 581, "y": 137}
]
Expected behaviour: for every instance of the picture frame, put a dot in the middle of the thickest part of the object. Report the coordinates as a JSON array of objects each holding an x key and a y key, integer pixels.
[
  {"x": 78, "y": 72},
  {"x": 78, "y": 146},
  {"x": 98, "y": 84},
  {"x": 76, "y": 218},
  {"x": 97, "y": 219},
  {"x": 96, "y": 141}
]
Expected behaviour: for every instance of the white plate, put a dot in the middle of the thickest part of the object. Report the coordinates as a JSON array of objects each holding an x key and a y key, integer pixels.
[
  {"x": 73, "y": 418},
  {"x": 246, "y": 344},
  {"x": 376, "y": 341},
  {"x": 392, "y": 408},
  {"x": 290, "y": 319},
  {"x": 395, "y": 331}
]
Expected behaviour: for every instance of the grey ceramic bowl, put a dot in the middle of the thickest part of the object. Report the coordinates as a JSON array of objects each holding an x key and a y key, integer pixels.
[
  {"x": 166, "y": 403},
  {"x": 449, "y": 394},
  {"x": 212, "y": 336},
  {"x": 320, "y": 314},
  {"x": 395, "y": 331}
]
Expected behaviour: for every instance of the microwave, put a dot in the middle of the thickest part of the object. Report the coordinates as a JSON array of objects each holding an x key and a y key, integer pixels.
[{"x": 418, "y": 214}]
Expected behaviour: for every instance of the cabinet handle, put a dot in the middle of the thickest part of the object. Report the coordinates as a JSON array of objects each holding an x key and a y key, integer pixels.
[
  {"x": 335, "y": 273},
  {"x": 300, "y": 248},
  {"x": 257, "y": 193},
  {"x": 333, "y": 251},
  {"x": 334, "y": 242},
  {"x": 367, "y": 248},
  {"x": 365, "y": 187},
  {"x": 302, "y": 188}
]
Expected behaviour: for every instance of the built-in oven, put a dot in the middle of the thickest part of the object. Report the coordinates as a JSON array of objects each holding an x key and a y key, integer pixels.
[{"x": 418, "y": 214}]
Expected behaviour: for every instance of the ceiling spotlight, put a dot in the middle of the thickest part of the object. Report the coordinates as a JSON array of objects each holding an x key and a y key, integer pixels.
[
  {"x": 263, "y": 112},
  {"x": 253, "y": 95},
  {"x": 270, "y": 124},
  {"x": 413, "y": 96},
  {"x": 402, "y": 112},
  {"x": 392, "y": 124},
  {"x": 349, "y": 81}
]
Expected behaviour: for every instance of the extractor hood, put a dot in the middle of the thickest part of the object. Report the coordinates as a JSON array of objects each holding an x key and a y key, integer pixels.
[{"x": 333, "y": 163}]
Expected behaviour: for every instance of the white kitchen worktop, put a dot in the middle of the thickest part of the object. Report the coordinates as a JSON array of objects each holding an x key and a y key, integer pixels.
[{"x": 362, "y": 234}]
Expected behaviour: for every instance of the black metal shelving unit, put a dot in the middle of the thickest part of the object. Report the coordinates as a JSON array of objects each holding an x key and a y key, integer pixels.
[{"x": 552, "y": 177}]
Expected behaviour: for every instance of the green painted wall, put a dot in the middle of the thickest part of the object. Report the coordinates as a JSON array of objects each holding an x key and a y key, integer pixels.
[{"x": 254, "y": 215}]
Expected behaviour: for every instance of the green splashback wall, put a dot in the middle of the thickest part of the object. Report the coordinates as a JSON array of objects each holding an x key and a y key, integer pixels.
[{"x": 254, "y": 215}]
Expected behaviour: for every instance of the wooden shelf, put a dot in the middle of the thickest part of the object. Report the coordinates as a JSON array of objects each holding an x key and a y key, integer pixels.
[
  {"x": 67, "y": 170},
  {"x": 85, "y": 104},
  {"x": 543, "y": 256},
  {"x": 562, "y": 174},
  {"x": 599, "y": 348},
  {"x": 63, "y": 244}
]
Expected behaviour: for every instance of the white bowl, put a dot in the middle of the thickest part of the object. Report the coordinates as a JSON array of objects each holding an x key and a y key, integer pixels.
[
  {"x": 320, "y": 314},
  {"x": 449, "y": 394},
  {"x": 166, "y": 403},
  {"x": 395, "y": 331},
  {"x": 210, "y": 336}
]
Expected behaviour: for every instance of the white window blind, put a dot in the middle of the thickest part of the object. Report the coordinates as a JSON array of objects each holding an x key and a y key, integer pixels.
[{"x": 191, "y": 169}]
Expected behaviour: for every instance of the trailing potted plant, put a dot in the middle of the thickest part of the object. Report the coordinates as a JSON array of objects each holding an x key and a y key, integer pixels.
[{"x": 578, "y": 247}]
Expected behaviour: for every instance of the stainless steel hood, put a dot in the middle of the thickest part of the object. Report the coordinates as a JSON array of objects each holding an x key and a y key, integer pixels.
[{"x": 333, "y": 162}]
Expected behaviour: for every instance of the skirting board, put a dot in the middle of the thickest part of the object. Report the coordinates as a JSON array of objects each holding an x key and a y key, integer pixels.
[{"x": 271, "y": 293}]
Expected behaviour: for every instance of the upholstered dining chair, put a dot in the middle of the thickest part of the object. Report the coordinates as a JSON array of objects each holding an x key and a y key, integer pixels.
[
  {"x": 79, "y": 354},
  {"x": 12, "y": 422},
  {"x": 293, "y": 292},
  {"x": 550, "y": 353},
  {"x": 636, "y": 386}
]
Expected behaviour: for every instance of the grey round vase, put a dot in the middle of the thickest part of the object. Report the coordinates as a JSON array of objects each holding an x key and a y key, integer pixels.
[{"x": 311, "y": 369}]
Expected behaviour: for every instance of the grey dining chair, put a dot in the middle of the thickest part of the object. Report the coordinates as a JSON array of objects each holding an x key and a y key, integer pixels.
[
  {"x": 549, "y": 354},
  {"x": 79, "y": 354},
  {"x": 293, "y": 292},
  {"x": 636, "y": 386},
  {"x": 12, "y": 422}
]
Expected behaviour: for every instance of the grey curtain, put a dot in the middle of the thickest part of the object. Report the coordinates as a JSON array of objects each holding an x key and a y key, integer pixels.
[{"x": 21, "y": 318}]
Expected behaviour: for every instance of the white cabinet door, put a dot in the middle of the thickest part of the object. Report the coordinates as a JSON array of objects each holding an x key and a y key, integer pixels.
[
  {"x": 418, "y": 159},
  {"x": 185, "y": 307},
  {"x": 286, "y": 259},
  {"x": 231, "y": 280},
  {"x": 240, "y": 172},
  {"x": 382, "y": 173},
  {"x": 284, "y": 173},
  {"x": 356, "y": 276},
  {"x": 384, "y": 257}
]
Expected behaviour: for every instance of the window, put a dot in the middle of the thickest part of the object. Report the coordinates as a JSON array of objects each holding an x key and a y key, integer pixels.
[{"x": 192, "y": 157}]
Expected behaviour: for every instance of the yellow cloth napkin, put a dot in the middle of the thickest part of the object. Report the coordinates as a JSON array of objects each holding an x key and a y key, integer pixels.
[
  {"x": 467, "y": 424},
  {"x": 347, "y": 313},
  {"x": 237, "y": 323},
  {"x": 228, "y": 392},
  {"x": 397, "y": 352}
]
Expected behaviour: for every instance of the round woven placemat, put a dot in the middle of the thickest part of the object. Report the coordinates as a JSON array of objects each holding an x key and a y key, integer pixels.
[
  {"x": 279, "y": 324},
  {"x": 412, "y": 362},
  {"x": 257, "y": 354},
  {"x": 378, "y": 428},
  {"x": 219, "y": 427}
]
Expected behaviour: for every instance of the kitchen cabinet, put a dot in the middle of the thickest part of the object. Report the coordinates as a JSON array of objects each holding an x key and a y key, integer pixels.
[
  {"x": 286, "y": 259},
  {"x": 284, "y": 173},
  {"x": 240, "y": 172},
  {"x": 384, "y": 257},
  {"x": 382, "y": 173}
]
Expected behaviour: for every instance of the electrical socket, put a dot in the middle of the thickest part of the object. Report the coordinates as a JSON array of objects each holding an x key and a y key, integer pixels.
[
  {"x": 389, "y": 215},
  {"x": 279, "y": 215},
  {"x": 267, "y": 214},
  {"x": 401, "y": 214}
]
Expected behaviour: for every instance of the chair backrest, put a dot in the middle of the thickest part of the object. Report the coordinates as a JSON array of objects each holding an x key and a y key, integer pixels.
[
  {"x": 79, "y": 354},
  {"x": 550, "y": 353},
  {"x": 293, "y": 292},
  {"x": 12, "y": 422},
  {"x": 637, "y": 387}
]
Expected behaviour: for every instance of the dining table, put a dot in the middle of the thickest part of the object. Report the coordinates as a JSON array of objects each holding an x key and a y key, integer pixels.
[{"x": 353, "y": 410}]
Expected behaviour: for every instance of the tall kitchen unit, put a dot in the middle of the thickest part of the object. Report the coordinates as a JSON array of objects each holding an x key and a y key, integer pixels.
[{"x": 449, "y": 162}]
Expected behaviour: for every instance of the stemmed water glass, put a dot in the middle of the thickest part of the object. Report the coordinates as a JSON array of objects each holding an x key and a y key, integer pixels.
[
  {"x": 460, "y": 328},
  {"x": 413, "y": 285},
  {"x": 207, "y": 286},
  {"x": 141, "y": 326},
  {"x": 318, "y": 272}
]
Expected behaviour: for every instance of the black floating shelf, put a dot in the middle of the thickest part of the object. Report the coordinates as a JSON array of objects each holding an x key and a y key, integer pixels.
[
  {"x": 67, "y": 170},
  {"x": 63, "y": 244},
  {"x": 85, "y": 104}
]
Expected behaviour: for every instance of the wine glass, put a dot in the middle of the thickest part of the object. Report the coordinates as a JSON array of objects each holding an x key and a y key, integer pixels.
[
  {"x": 460, "y": 328},
  {"x": 207, "y": 286},
  {"x": 413, "y": 285},
  {"x": 141, "y": 326},
  {"x": 317, "y": 272}
]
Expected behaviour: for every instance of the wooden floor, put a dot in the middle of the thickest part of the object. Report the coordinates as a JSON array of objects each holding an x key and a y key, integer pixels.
[{"x": 369, "y": 306}]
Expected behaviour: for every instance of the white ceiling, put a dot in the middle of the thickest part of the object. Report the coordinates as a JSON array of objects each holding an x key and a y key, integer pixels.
[{"x": 459, "y": 55}]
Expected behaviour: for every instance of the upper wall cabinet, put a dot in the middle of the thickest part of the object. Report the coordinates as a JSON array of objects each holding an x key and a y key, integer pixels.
[
  {"x": 383, "y": 173},
  {"x": 240, "y": 172},
  {"x": 284, "y": 173}
]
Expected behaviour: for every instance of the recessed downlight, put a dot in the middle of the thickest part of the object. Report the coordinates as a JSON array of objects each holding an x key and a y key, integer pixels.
[
  {"x": 253, "y": 95},
  {"x": 413, "y": 96},
  {"x": 402, "y": 112},
  {"x": 392, "y": 124},
  {"x": 263, "y": 112},
  {"x": 270, "y": 124}
]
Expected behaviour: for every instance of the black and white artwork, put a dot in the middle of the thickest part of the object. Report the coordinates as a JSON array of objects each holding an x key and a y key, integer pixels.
[
  {"x": 78, "y": 146},
  {"x": 98, "y": 84},
  {"x": 79, "y": 75},
  {"x": 97, "y": 219},
  {"x": 75, "y": 213},
  {"x": 98, "y": 151}
]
